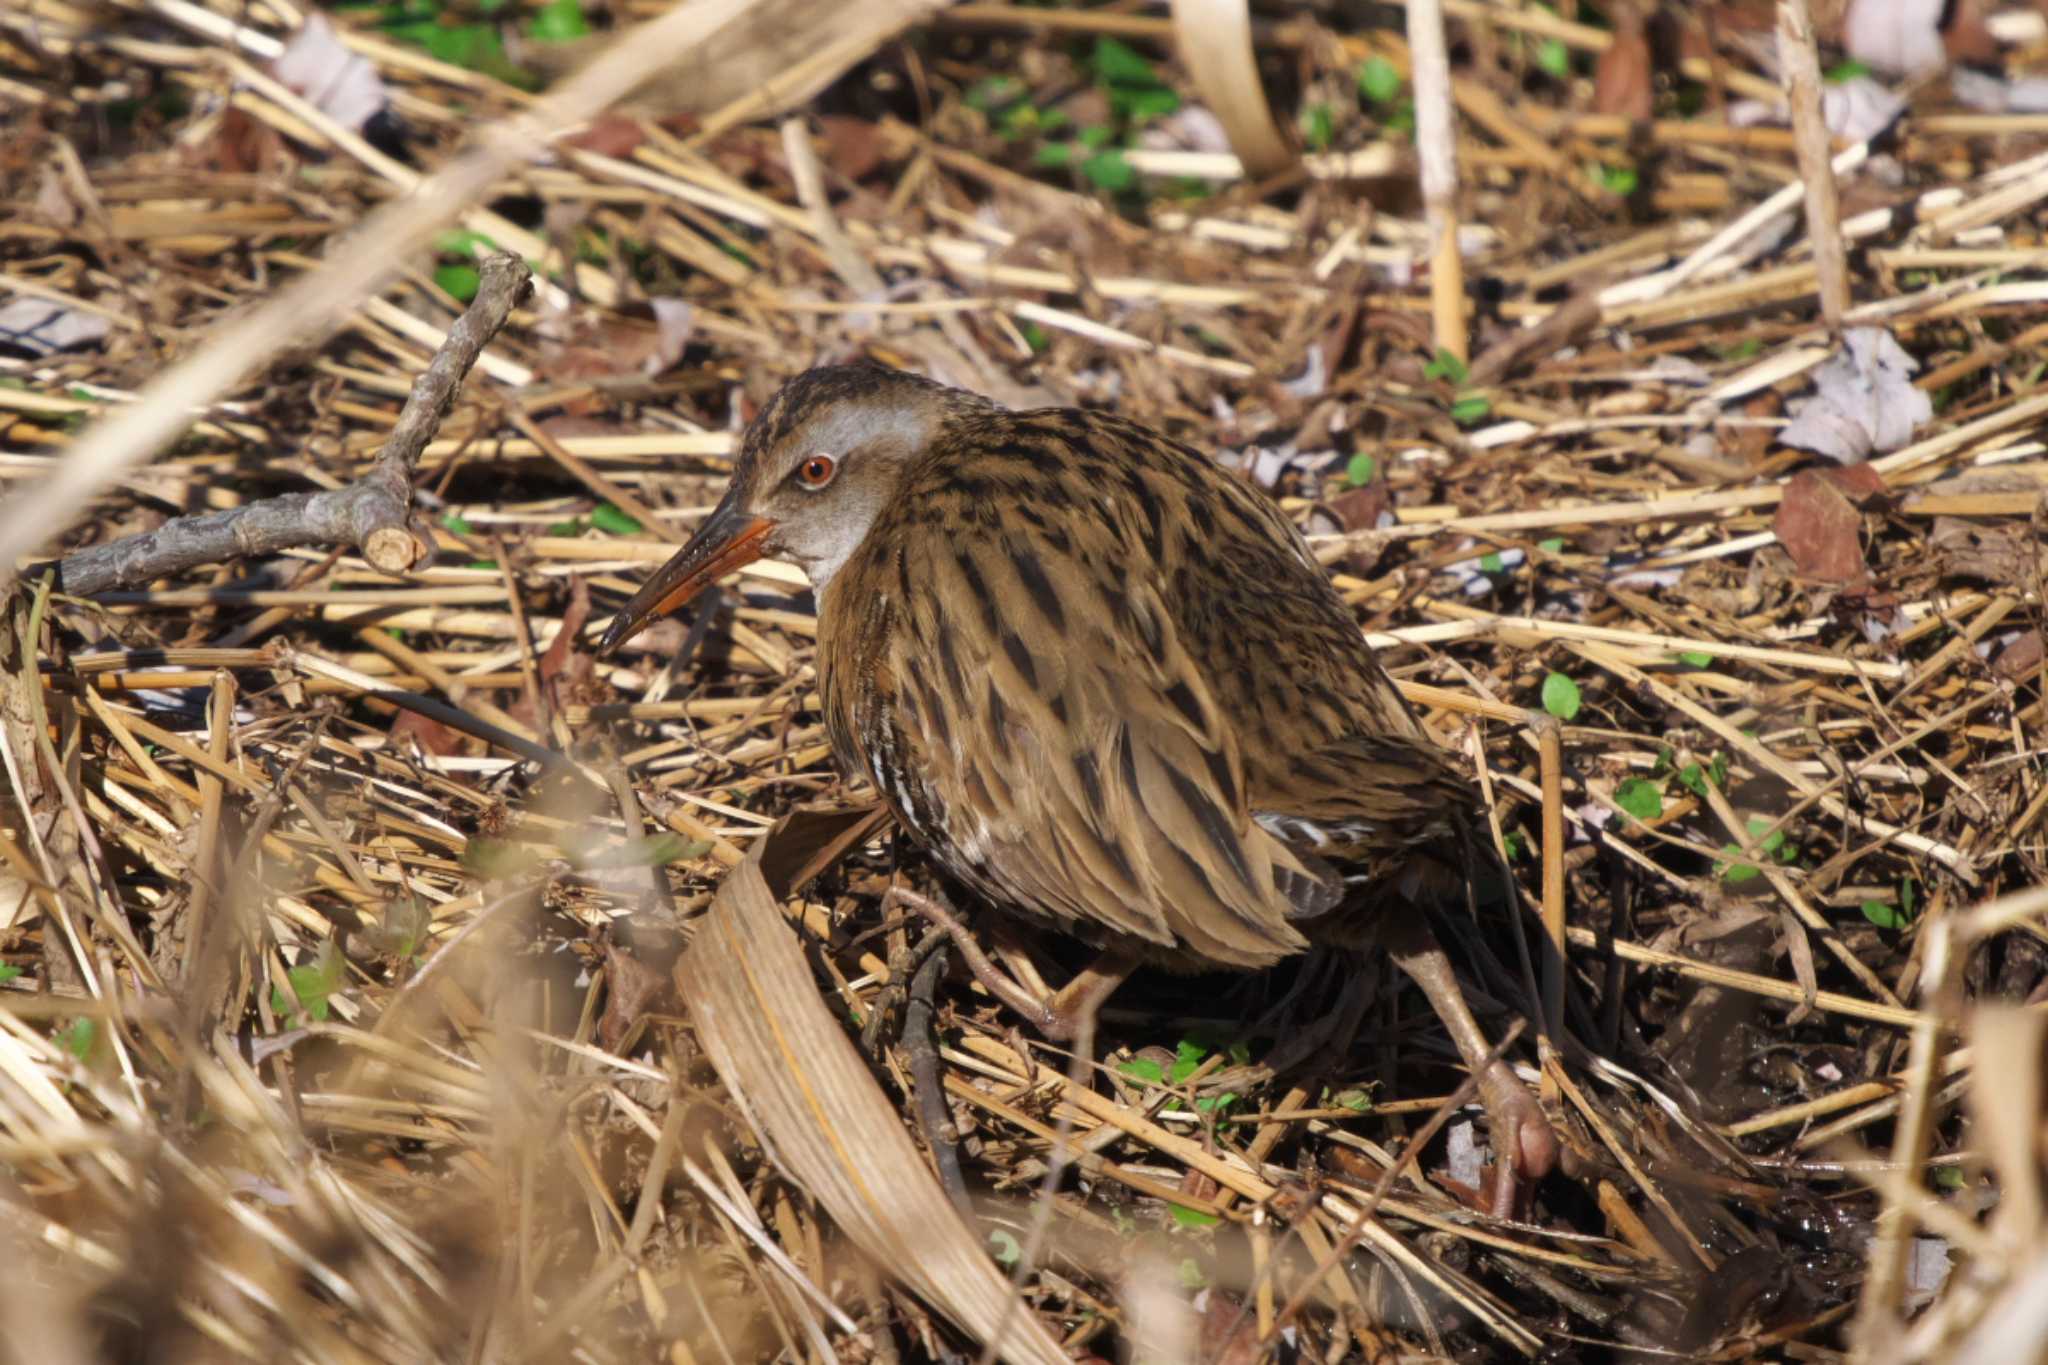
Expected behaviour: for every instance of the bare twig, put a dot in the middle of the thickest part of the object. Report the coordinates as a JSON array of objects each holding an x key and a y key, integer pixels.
[
  {"x": 374, "y": 512},
  {"x": 314, "y": 303}
]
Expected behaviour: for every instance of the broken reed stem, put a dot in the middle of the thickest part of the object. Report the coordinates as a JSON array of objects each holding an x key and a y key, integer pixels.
[
  {"x": 1550, "y": 756},
  {"x": 1436, "y": 146},
  {"x": 1879, "y": 1317},
  {"x": 1800, "y": 62},
  {"x": 374, "y": 512}
]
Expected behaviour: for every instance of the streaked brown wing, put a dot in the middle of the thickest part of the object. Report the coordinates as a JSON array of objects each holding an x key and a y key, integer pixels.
[{"x": 1080, "y": 759}]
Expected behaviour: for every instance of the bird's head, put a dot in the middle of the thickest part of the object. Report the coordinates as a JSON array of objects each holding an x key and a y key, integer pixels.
[{"x": 815, "y": 469}]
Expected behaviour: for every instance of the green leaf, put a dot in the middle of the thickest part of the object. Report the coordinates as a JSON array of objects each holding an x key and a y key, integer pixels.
[
  {"x": 461, "y": 242},
  {"x": 1909, "y": 894},
  {"x": 658, "y": 850},
  {"x": 1517, "y": 846},
  {"x": 1096, "y": 135},
  {"x": 1020, "y": 121},
  {"x": 1378, "y": 80},
  {"x": 1192, "y": 1218},
  {"x": 1358, "y": 471},
  {"x": 1116, "y": 63},
  {"x": 1772, "y": 842},
  {"x": 1008, "y": 1250},
  {"x": 1191, "y": 1276},
  {"x": 8, "y": 971},
  {"x": 1318, "y": 128},
  {"x": 473, "y": 47},
  {"x": 558, "y": 21},
  {"x": 481, "y": 564},
  {"x": 1402, "y": 120},
  {"x": 494, "y": 859},
  {"x": 1144, "y": 1069},
  {"x": 1696, "y": 779},
  {"x": 1883, "y": 914},
  {"x": 1552, "y": 545},
  {"x": 1733, "y": 871},
  {"x": 1695, "y": 658},
  {"x": 313, "y": 984},
  {"x": 1618, "y": 180},
  {"x": 459, "y": 282},
  {"x": 459, "y": 525},
  {"x": 564, "y": 528},
  {"x": 1034, "y": 336},
  {"x": 1187, "y": 1056},
  {"x": 1950, "y": 1177},
  {"x": 1110, "y": 171},
  {"x": 1357, "y": 1101},
  {"x": 1554, "y": 57},
  {"x": 1468, "y": 412},
  {"x": 1491, "y": 562},
  {"x": 1447, "y": 367},
  {"x": 77, "y": 1037},
  {"x": 1052, "y": 155},
  {"x": 993, "y": 92},
  {"x": 1842, "y": 72},
  {"x": 612, "y": 521},
  {"x": 1216, "y": 1104},
  {"x": 1137, "y": 105},
  {"x": 1560, "y": 696},
  {"x": 1640, "y": 797}
]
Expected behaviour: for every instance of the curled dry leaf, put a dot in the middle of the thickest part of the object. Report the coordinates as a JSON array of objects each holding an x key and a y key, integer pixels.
[
  {"x": 341, "y": 84},
  {"x": 43, "y": 326},
  {"x": 1863, "y": 403},
  {"x": 1897, "y": 36},
  {"x": 820, "y": 1116}
]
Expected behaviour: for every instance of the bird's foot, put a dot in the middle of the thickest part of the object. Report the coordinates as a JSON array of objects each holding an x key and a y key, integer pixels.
[
  {"x": 1524, "y": 1147},
  {"x": 1068, "y": 1015},
  {"x": 994, "y": 979}
]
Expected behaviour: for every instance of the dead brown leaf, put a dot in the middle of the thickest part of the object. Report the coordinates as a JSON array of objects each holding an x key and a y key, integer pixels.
[
  {"x": 630, "y": 990},
  {"x": 1821, "y": 528},
  {"x": 1623, "y": 77},
  {"x": 431, "y": 735},
  {"x": 614, "y": 135},
  {"x": 853, "y": 147}
]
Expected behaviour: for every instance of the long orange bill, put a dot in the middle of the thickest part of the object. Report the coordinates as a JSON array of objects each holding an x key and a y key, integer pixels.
[{"x": 727, "y": 539}]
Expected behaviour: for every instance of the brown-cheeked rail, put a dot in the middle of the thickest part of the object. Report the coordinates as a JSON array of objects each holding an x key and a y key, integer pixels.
[{"x": 1104, "y": 684}]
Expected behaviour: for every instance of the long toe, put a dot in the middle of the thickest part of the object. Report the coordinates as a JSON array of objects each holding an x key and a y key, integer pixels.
[{"x": 1524, "y": 1147}]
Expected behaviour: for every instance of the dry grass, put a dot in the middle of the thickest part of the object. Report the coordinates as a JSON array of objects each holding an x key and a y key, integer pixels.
[{"x": 330, "y": 1032}]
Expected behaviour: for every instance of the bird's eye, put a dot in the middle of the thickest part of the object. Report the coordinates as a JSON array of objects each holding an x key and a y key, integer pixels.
[{"x": 816, "y": 472}]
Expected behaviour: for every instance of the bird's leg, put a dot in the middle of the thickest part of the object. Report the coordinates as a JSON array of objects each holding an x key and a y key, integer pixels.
[
  {"x": 1523, "y": 1145},
  {"x": 1066, "y": 1015},
  {"x": 921, "y": 1049}
]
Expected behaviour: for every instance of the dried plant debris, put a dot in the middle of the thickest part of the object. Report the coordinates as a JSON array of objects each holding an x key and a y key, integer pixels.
[{"x": 341, "y": 910}]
